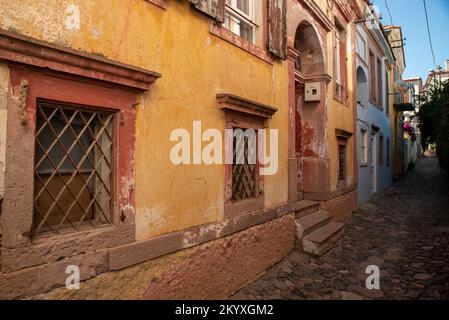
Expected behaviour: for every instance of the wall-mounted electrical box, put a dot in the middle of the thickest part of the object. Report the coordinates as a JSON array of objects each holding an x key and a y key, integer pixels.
[{"x": 312, "y": 91}]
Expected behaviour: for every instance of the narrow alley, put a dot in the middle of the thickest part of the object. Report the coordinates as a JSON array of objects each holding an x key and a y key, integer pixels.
[
  {"x": 405, "y": 232},
  {"x": 224, "y": 149}
]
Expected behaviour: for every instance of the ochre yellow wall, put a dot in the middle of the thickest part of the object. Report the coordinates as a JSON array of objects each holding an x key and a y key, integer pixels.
[
  {"x": 339, "y": 115},
  {"x": 195, "y": 66}
]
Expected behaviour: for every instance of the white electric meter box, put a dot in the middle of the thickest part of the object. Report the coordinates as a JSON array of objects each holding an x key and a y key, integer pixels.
[{"x": 312, "y": 91}]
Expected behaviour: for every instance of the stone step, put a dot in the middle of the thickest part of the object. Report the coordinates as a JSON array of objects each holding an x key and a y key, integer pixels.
[
  {"x": 311, "y": 222},
  {"x": 305, "y": 207},
  {"x": 322, "y": 239}
]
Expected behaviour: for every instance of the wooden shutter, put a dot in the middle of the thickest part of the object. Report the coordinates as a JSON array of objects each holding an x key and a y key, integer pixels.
[
  {"x": 213, "y": 8},
  {"x": 277, "y": 28},
  {"x": 343, "y": 66}
]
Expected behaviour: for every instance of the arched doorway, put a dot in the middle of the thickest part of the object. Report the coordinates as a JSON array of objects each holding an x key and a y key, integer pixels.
[{"x": 309, "y": 88}]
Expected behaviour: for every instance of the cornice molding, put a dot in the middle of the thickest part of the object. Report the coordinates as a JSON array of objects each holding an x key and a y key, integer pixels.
[
  {"x": 325, "y": 78},
  {"x": 28, "y": 51},
  {"x": 340, "y": 133},
  {"x": 317, "y": 13},
  {"x": 292, "y": 53},
  {"x": 346, "y": 10},
  {"x": 229, "y": 102}
]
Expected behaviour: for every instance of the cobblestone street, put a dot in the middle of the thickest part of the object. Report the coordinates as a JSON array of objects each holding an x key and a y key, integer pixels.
[{"x": 404, "y": 231}]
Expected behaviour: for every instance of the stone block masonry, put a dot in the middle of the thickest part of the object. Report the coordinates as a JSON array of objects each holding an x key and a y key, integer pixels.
[
  {"x": 341, "y": 206},
  {"x": 214, "y": 270}
]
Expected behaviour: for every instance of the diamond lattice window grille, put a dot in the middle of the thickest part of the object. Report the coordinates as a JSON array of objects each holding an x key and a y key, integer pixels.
[
  {"x": 244, "y": 176},
  {"x": 341, "y": 162},
  {"x": 73, "y": 168}
]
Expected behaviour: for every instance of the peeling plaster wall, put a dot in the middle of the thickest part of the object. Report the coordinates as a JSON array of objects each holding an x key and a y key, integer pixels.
[
  {"x": 341, "y": 116},
  {"x": 4, "y": 87},
  {"x": 335, "y": 114},
  {"x": 203, "y": 272},
  {"x": 4, "y": 81},
  {"x": 195, "y": 67}
]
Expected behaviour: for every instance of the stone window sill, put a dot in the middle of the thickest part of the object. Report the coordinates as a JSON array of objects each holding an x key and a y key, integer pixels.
[
  {"x": 233, "y": 209},
  {"x": 239, "y": 42},
  {"x": 339, "y": 99}
]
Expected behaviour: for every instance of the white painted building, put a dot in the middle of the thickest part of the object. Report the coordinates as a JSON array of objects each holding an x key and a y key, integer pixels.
[{"x": 374, "y": 61}]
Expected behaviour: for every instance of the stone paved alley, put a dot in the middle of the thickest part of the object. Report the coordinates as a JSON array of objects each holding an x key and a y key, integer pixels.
[{"x": 405, "y": 231}]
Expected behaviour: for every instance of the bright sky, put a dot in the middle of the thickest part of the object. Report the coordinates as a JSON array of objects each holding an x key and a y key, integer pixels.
[{"x": 409, "y": 14}]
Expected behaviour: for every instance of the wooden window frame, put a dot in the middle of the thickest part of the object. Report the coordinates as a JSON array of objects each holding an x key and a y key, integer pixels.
[
  {"x": 372, "y": 77},
  {"x": 231, "y": 11},
  {"x": 340, "y": 66},
  {"x": 362, "y": 40},
  {"x": 379, "y": 84},
  {"x": 250, "y": 16},
  {"x": 343, "y": 137},
  {"x": 342, "y": 143},
  {"x": 255, "y": 48},
  {"x": 364, "y": 153},
  {"x": 234, "y": 121}
]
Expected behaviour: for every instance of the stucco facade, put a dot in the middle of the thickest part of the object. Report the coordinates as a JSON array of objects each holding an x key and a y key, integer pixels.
[
  {"x": 322, "y": 127},
  {"x": 159, "y": 66},
  {"x": 374, "y": 108},
  {"x": 394, "y": 36}
]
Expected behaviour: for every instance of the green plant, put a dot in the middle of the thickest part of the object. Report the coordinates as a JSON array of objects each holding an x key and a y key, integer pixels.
[{"x": 433, "y": 120}]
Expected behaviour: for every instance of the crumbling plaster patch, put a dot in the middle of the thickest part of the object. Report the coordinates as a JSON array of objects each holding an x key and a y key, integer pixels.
[
  {"x": 4, "y": 87},
  {"x": 213, "y": 270}
]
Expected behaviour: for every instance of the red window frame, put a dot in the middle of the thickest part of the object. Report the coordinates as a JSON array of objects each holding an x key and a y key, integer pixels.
[
  {"x": 65, "y": 89},
  {"x": 234, "y": 120}
]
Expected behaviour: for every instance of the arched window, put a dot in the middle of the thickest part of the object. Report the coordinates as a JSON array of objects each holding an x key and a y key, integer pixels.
[{"x": 362, "y": 87}]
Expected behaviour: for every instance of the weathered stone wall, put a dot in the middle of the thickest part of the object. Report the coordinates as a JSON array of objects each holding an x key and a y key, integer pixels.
[
  {"x": 4, "y": 81},
  {"x": 203, "y": 272},
  {"x": 341, "y": 206}
]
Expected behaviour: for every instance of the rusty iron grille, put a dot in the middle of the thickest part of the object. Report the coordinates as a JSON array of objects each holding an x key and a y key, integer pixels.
[
  {"x": 244, "y": 176},
  {"x": 73, "y": 168},
  {"x": 341, "y": 162}
]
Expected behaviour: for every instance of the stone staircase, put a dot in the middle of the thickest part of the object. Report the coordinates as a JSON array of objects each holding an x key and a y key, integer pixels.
[{"x": 316, "y": 231}]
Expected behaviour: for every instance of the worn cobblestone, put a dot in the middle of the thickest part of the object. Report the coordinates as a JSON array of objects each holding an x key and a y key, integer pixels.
[{"x": 404, "y": 231}]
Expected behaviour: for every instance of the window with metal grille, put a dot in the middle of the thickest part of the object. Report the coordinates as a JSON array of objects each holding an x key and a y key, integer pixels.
[
  {"x": 244, "y": 169},
  {"x": 341, "y": 162},
  {"x": 73, "y": 167}
]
